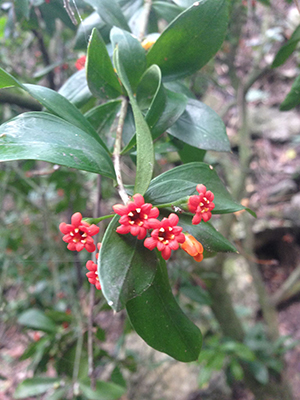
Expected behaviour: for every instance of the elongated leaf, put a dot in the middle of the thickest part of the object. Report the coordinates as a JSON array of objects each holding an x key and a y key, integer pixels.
[
  {"x": 126, "y": 267},
  {"x": 287, "y": 49},
  {"x": 157, "y": 318},
  {"x": 54, "y": 102},
  {"x": 102, "y": 118},
  {"x": 110, "y": 12},
  {"x": 37, "y": 319},
  {"x": 76, "y": 89},
  {"x": 132, "y": 56},
  {"x": 145, "y": 152},
  {"x": 191, "y": 40},
  {"x": 206, "y": 234},
  {"x": 293, "y": 97},
  {"x": 103, "y": 390},
  {"x": 36, "y": 386},
  {"x": 52, "y": 10},
  {"x": 151, "y": 95},
  {"x": 180, "y": 182},
  {"x": 85, "y": 29},
  {"x": 201, "y": 127},
  {"x": 42, "y": 136},
  {"x": 188, "y": 154},
  {"x": 101, "y": 77}
]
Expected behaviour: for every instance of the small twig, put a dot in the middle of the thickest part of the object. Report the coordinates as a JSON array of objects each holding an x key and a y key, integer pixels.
[
  {"x": 91, "y": 371},
  {"x": 146, "y": 14},
  {"x": 117, "y": 151},
  {"x": 288, "y": 288},
  {"x": 19, "y": 100},
  {"x": 70, "y": 11}
]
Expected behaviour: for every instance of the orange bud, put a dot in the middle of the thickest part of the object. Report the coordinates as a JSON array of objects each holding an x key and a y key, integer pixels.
[{"x": 192, "y": 247}]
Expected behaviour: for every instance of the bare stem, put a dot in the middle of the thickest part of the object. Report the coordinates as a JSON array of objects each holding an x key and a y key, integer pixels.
[
  {"x": 146, "y": 14},
  {"x": 117, "y": 151}
]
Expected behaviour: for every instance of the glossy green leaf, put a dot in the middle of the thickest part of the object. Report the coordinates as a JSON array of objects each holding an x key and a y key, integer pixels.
[
  {"x": 180, "y": 182},
  {"x": 102, "y": 117},
  {"x": 110, "y": 12},
  {"x": 191, "y": 40},
  {"x": 206, "y": 234},
  {"x": 103, "y": 390},
  {"x": 259, "y": 371},
  {"x": 101, "y": 77},
  {"x": 76, "y": 89},
  {"x": 36, "y": 386},
  {"x": 126, "y": 267},
  {"x": 201, "y": 127},
  {"x": 167, "y": 11},
  {"x": 189, "y": 153},
  {"x": 131, "y": 54},
  {"x": 37, "y": 319},
  {"x": 293, "y": 97},
  {"x": 287, "y": 49},
  {"x": 158, "y": 319},
  {"x": 85, "y": 29},
  {"x": 145, "y": 152},
  {"x": 54, "y": 102},
  {"x": 52, "y": 10},
  {"x": 42, "y": 136},
  {"x": 22, "y": 8},
  {"x": 151, "y": 95}
]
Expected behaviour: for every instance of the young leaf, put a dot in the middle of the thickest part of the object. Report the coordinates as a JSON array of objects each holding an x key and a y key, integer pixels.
[
  {"x": 145, "y": 152},
  {"x": 287, "y": 49},
  {"x": 158, "y": 319},
  {"x": 293, "y": 97},
  {"x": 101, "y": 76},
  {"x": 110, "y": 11},
  {"x": 151, "y": 95},
  {"x": 131, "y": 54},
  {"x": 180, "y": 182},
  {"x": 191, "y": 40},
  {"x": 201, "y": 127},
  {"x": 36, "y": 386},
  {"x": 42, "y": 136},
  {"x": 126, "y": 267}
]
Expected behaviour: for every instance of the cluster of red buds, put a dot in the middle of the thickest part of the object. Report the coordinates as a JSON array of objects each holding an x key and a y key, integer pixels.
[{"x": 138, "y": 218}]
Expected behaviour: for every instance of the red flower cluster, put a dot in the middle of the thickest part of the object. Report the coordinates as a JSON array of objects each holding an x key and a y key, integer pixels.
[
  {"x": 93, "y": 274},
  {"x": 80, "y": 63},
  {"x": 201, "y": 205},
  {"x": 136, "y": 216},
  {"x": 79, "y": 234}
]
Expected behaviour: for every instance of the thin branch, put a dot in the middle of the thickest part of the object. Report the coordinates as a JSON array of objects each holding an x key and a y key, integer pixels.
[
  {"x": 45, "y": 55},
  {"x": 117, "y": 151},
  {"x": 146, "y": 14},
  {"x": 70, "y": 12},
  {"x": 19, "y": 100}
]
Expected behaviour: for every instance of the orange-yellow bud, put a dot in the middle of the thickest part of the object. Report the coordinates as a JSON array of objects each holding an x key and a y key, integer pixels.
[{"x": 192, "y": 247}]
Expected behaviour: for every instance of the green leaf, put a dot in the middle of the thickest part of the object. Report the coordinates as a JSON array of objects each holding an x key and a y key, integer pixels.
[
  {"x": 259, "y": 371},
  {"x": 76, "y": 89},
  {"x": 103, "y": 390},
  {"x": 22, "y": 8},
  {"x": 174, "y": 107},
  {"x": 287, "y": 49},
  {"x": 206, "y": 234},
  {"x": 101, "y": 77},
  {"x": 102, "y": 117},
  {"x": 126, "y": 267},
  {"x": 145, "y": 152},
  {"x": 36, "y": 386},
  {"x": 189, "y": 153},
  {"x": 54, "y": 102},
  {"x": 151, "y": 95},
  {"x": 53, "y": 10},
  {"x": 191, "y": 40},
  {"x": 293, "y": 97},
  {"x": 236, "y": 370},
  {"x": 180, "y": 182},
  {"x": 158, "y": 319},
  {"x": 196, "y": 293},
  {"x": 201, "y": 127},
  {"x": 85, "y": 29},
  {"x": 167, "y": 11},
  {"x": 110, "y": 12},
  {"x": 131, "y": 54},
  {"x": 37, "y": 319},
  {"x": 42, "y": 136}
]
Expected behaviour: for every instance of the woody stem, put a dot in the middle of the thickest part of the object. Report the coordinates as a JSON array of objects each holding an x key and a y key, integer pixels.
[{"x": 117, "y": 151}]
